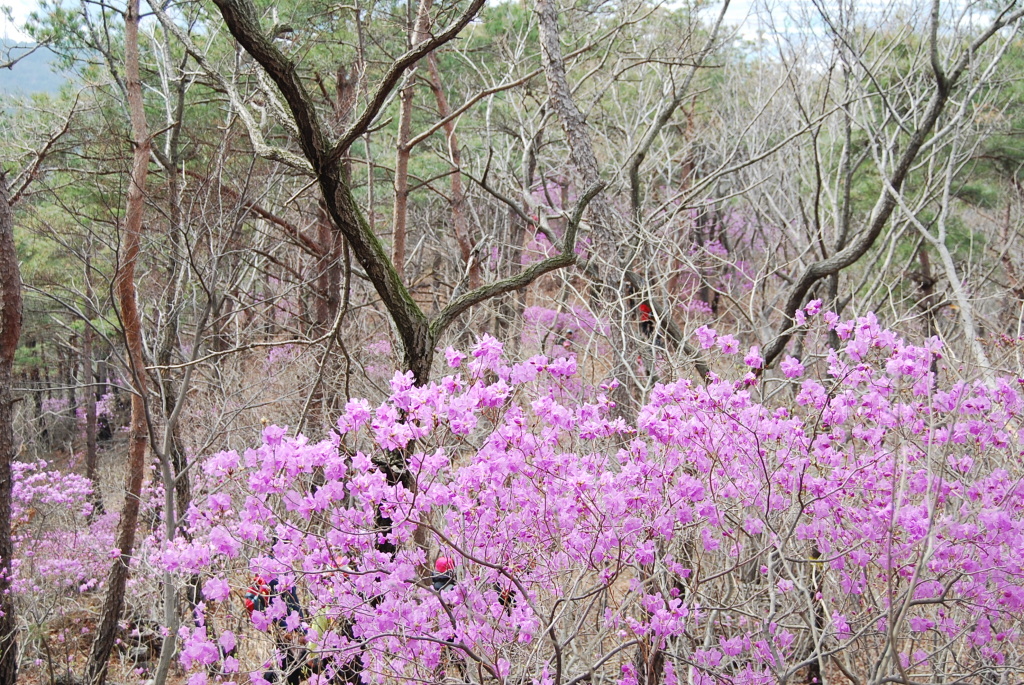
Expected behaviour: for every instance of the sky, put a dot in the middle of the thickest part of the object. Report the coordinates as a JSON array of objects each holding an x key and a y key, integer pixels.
[
  {"x": 739, "y": 14},
  {"x": 787, "y": 16},
  {"x": 742, "y": 14},
  {"x": 20, "y": 9}
]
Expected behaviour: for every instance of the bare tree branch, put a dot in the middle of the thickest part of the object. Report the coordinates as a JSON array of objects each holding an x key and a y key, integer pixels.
[
  {"x": 566, "y": 257},
  {"x": 886, "y": 202}
]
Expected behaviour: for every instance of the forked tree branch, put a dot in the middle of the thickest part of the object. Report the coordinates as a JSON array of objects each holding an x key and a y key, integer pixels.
[
  {"x": 566, "y": 257},
  {"x": 394, "y": 74}
]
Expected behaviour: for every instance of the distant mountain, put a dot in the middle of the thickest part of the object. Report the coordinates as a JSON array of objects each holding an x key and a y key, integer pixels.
[{"x": 36, "y": 73}]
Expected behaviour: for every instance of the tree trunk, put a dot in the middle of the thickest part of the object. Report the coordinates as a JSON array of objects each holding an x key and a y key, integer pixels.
[
  {"x": 419, "y": 335},
  {"x": 91, "y": 456},
  {"x": 10, "y": 331},
  {"x": 458, "y": 199},
  {"x": 124, "y": 286},
  {"x": 401, "y": 209},
  {"x": 175, "y": 451},
  {"x": 584, "y": 161},
  {"x": 327, "y": 302}
]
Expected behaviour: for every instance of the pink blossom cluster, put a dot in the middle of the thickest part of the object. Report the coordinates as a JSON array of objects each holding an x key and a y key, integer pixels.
[
  {"x": 279, "y": 356},
  {"x": 54, "y": 405},
  {"x": 853, "y": 512},
  {"x": 106, "y": 405},
  {"x": 59, "y": 546},
  {"x": 571, "y": 328}
]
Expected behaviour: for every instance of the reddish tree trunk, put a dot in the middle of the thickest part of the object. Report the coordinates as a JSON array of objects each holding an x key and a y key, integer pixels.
[
  {"x": 401, "y": 210},
  {"x": 10, "y": 331},
  {"x": 124, "y": 285},
  {"x": 458, "y": 199}
]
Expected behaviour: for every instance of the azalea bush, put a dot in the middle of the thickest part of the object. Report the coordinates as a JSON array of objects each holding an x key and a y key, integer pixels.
[
  {"x": 853, "y": 518},
  {"x": 62, "y": 554},
  {"x": 61, "y": 547}
]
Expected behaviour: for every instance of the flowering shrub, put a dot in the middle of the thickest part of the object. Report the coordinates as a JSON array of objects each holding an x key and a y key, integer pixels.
[
  {"x": 569, "y": 329},
  {"x": 61, "y": 552},
  {"x": 54, "y": 405},
  {"x": 865, "y": 520},
  {"x": 57, "y": 550}
]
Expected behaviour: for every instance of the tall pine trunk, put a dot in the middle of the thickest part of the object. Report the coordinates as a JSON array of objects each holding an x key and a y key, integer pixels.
[
  {"x": 458, "y": 198},
  {"x": 10, "y": 331},
  {"x": 124, "y": 285},
  {"x": 91, "y": 454},
  {"x": 418, "y": 34}
]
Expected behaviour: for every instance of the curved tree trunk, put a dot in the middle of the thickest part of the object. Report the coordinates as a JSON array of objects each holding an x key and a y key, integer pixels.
[
  {"x": 325, "y": 158},
  {"x": 10, "y": 331},
  {"x": 419, "y": 334},
  {"x": 124, "y": 285}
]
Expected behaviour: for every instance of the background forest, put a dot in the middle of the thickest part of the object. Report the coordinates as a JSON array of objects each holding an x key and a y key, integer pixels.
[{"x": 445, "y": 220}]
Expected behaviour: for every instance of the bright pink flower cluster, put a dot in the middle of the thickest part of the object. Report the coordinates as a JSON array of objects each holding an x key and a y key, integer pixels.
[{"x": 863, "y": 512}]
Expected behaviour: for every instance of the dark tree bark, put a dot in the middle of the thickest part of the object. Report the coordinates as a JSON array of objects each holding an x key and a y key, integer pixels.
[
  {"x": 124, "y": 285},
  {"x": 91, "y": 455},
  {"x": 243, "y": 21},
  {"x": 419, "y": 335},
  {"x": 10, "y": 331}
]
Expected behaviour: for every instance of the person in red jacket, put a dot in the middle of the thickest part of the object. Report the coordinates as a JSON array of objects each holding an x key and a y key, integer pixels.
[
  {"x": 291, "y": 650},
  {"x": 646, "y": 320}
]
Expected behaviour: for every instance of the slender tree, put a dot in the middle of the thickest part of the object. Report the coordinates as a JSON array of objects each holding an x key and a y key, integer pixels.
[
  {"x": 124, "y": 285},
  {"x": 419, "y": 33},
  {"x": 10, "y": 331}
]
